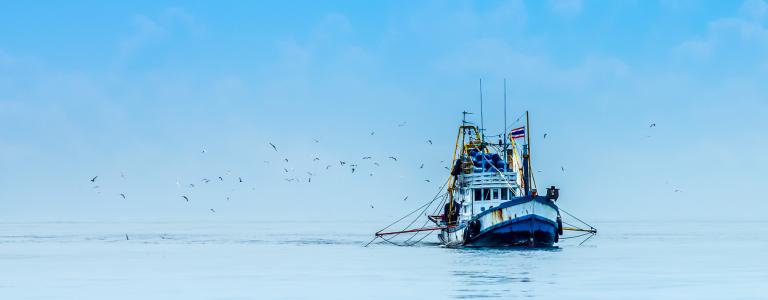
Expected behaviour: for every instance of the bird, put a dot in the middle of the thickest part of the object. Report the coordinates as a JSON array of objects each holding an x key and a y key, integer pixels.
[
  {"x": 126, "y": 237},
  {"x": 367, "y": 157},
  {"x": 204, "y": 151},
  {"x": 212, "y": 210},
  {"x": 309, "y": 179},
  {"x": 545, "y": 135},
  {"x": 562, "y": 168},
  {"x": 185, "y": 198},
  {"x": 310, "y": 174},
  {"x": 371, "y": 174},
  {"x": 427, "y": 180},
  {"x": 273, "y": 146},
  {"x": 227, "y": 198},
  {"x": 371, "y": 205},
  {"x": 353, "y": 170},
  {"x": 191, "y": 185},
  {"x": 285, "y": 159},
  {"x": 401, "y": 124},
  {"x": 342, "y": 162},
  {"x": 393, "y": 158},
  {"x": 289, "y": 179},
  {"x": 316, "y": 141},
  {"x": 677, "y": 191},
  {"x": 266, "y": 161},
  {"x": 286, "y": 170},
  {"x": 221, "y": 178},
  {"x": 376, "y": 164},
  {"x": 316, "y": 159},
  {"x": 240, "y": 179},
  {"x": 122, "y": 175},
  {"x": 406, "y": 198},
  {"x": 422, "y": 166},
  {"x": 652, "y": 125},
  {"x": 94, "y": 179},
  {"x": 429, "y": 141},
  {"x": 95, "y": 186},
  {"x": 327, "y": 167},
  {"x": 373, "y": 132},
  {"x": 206, "y": 180},
  {"x": 122, "y": 195}
]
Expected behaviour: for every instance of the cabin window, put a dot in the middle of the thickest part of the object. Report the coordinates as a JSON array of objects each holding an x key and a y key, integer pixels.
[
  {"x": 478, "y": 195},
  {"x": 486, "y": 194},
  {"x": 495, "y": 194},
  {"x": 504, "y": 194}
]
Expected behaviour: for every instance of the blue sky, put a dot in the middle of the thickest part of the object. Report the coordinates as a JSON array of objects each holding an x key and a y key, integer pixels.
[{"x": 92, "y": 88}]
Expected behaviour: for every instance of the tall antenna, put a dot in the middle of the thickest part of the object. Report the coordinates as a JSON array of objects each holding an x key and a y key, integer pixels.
[
  {"x": 482, "y": 127},
  {"x": 504, "y": 135}
]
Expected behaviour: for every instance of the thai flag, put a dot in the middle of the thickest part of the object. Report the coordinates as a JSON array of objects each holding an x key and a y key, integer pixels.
[{"x": 517, "y": 133}]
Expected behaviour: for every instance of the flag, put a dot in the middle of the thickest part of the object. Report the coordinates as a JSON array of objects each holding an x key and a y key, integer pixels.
[{"x": 517, "y": 133}]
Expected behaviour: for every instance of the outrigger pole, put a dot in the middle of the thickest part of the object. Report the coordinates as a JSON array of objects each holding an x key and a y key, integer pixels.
[{"x": 482, "y": 126}]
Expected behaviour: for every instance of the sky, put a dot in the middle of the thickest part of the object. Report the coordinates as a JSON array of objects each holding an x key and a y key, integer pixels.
[{"x": 135, "y": 92}]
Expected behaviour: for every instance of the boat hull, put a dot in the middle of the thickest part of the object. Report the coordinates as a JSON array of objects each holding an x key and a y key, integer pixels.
[{"x": 523, "y": 221}]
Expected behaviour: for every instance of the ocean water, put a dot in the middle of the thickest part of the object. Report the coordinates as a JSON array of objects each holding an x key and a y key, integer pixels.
[{"x": 324, "y": 260}]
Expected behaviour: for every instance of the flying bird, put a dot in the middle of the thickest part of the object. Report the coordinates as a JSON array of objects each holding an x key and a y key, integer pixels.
[
  {"x": 406, "y": 198},
  {"x": 310, "y": 174},
  {"x": 316, "y": 159},
  {"x": 429, "y": 141},
  {"x": 562, "y": 168},
  {"x": 371, "y": 205},
  {"x": 221, "y": 178},
  {"x": 240, "y": 179},
  {"x": 652, "y": 125},
  {"x": 545, "y": 135},
  {"x": 273, "y": 146},
  {"x": 185, "y": 198},
  {"x": 327, "y": 167},
  {"x": 204, "y": 151},
  {"x": 373, "y": 132},
  {"x": 393, "y": 158},
  {"x": 126, "y": 237},
  {"x": 377, "y": 164},
  {"x": 285, "y": 159},
  {"x": 371, "y": 174},
  {"x": 367, "y": 157},
  {"x": 122, "y": 175},
  {"x": 191, "y": 185},
  {"x": 94, "y": 179},
  {"x": 227, "y": 198},
  {"x": 427, "y": 180},
  {"x": 353, "y": 170},
  {"x": 212, "y": 210},
  {"x": 401, "y": 124},
  {"x": 122, "y": 195},
  {"x": 286, "y": 170},
  {"x": 422, "y": 166},
  {"x": 316, "y": 141},
  {"x": 342, "y": 162},
  {"x": 206, "y": 180},
  {"x": 309, "y": 179}
]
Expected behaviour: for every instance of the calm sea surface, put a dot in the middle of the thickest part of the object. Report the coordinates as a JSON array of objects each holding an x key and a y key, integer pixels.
[{"x": 321, "y": 260}]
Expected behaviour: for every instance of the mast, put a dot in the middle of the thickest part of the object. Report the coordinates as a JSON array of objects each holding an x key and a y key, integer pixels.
[
  {"x": 482, "y": 125},
  {"x": 504, "y": 135},
  {"x": 528, "y": 152}
]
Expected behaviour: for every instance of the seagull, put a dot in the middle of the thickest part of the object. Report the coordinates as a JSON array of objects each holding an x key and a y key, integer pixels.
[
  {"x": 429, "y": 141},
  {"x": 122, "y": 175},
  {"x": 206, "y": 180},
  {"x": 342, "y": 162},
  {"x": 94, "y": 179},
  {"x": 353, "y": 170},
  {"x": 422, "y": 166},
  {"x": 562, "y": 168},
  {"x": 185, "y": 198},
  {"x": 427, "y": 180},
  {"x": 191, "y": 185},
  {"x": 126, "y": 237},
  {"x": 285, "y": 159},
  {"x": 677, "y": 191},
  {"x": 371, "y": 174},
  {"x": 327, "y": 167},
  {"x": 240, "y": 179},
  {"x": 367, "y": 157},
  {"x": 373, "y": 132},
  {"x": 266, "y": 161},
  {"x": 221, "y": 179},
  {"x": 310, "y": 174},
  {"x": 652, "y": 125},
  {"x": 122, "y": 195},
  {"x": 401, "y": 124},
  {"x": 286, "y": 170},
  {"x": 316, "y": 159},
  {"x": 288, "y": 179},
  {"x": 95, "y": 186},
  {"x": 377, "y": 164},
  {"x": 273, "y": 146},
  {"x": 316, "y": 141},
  {"x": 447, "y": 168},
  {"x": 393, "y": 158},
  {"x": 545, "y": 135},
  {"x": 309, "y": 179},
  {"x": 227, "y": 198},
  {"x": 212, "y": 210},
  {"x": 406, "y": 198},
  {"x": 371, "y": 205},
  {"x": 204, "y": 151}
]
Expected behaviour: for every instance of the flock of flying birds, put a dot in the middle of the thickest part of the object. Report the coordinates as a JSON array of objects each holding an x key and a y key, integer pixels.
[{"x": 293, "y": 178}]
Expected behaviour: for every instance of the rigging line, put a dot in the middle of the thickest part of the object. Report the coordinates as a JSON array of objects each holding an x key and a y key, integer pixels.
[
  {"x": 585, "y": 223},
  {"x": 575, "y": 236},
  {"x": 440, "y": 194},
  {"x": 585, "y": 240},
  {"x": 445, "y": 197}
]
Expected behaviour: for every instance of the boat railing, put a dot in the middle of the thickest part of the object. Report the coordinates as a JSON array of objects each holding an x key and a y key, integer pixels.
[{"x": 490, "y": 178}]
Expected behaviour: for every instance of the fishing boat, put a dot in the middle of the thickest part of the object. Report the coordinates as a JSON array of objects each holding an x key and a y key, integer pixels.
[{"x": 491, "y": 198}]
